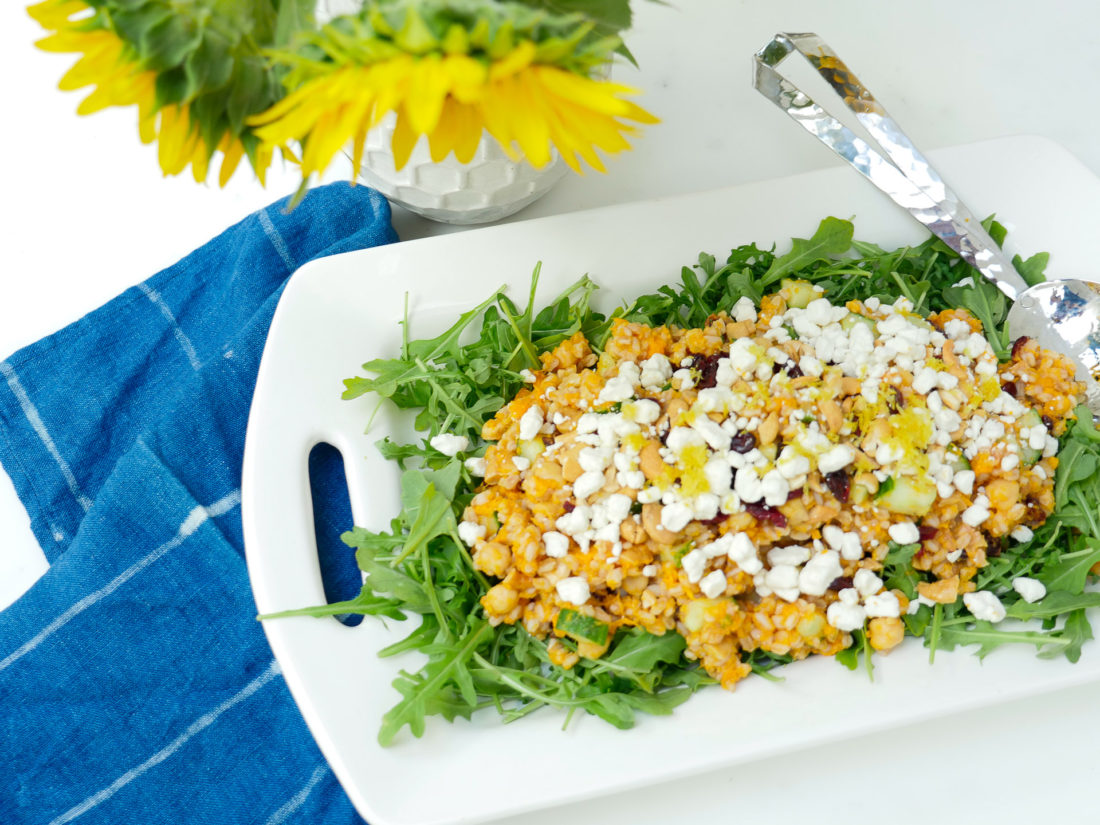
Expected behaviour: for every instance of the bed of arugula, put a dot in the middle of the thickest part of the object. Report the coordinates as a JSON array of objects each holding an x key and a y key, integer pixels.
[{"x": 456, "y": 381}]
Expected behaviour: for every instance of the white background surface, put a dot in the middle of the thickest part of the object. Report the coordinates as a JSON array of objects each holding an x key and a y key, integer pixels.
[{"x": 87, "y": 214}]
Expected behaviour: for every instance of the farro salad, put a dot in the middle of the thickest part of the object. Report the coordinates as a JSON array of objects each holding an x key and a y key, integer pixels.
[{"x": 819, "y": 452}]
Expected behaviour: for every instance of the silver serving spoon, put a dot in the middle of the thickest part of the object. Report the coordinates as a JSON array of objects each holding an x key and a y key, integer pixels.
[{"x": 1062, "y": 315}]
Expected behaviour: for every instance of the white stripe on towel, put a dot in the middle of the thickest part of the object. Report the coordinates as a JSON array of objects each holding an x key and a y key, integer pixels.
[
  {"x": 196, "y": 727},
  {"x": 39, "y": 426},
  {"x": 296, "y": 801},
  {"x": 194, "y": 519},
  {"x": 165, "y": 310},
  {"x": 276, "y": 240}
]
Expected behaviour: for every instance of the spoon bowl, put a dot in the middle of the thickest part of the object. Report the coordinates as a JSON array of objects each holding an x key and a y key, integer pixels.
[
  {"x": 1061, "y": 315},
  {"x": 1064, "y": 316}
]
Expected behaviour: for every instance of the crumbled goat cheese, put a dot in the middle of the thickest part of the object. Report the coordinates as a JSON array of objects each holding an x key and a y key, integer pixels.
[
  {"x": 530, "y": 423},
  {"x": 713, "y": 584},
  {"x": 470, "y": 532},
  {"x": 573, "y": 589},
  {"x": 1030, "y": 590},
  {"x": 449, "y": 444},
  {"x": 556, "y": 544},
  {"x": 984, "y": 606},
  {"x": 904, "y": 532}
]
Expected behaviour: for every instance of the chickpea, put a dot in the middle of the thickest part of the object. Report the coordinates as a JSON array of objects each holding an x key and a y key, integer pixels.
[
  {"x": 1003, "y": 493},
  {"x": 651, "y": 520},
  {"x": 571, "y": 468},
  {"x": 676, "y": 408},
  {"x": 493, "y": 558},
  {"x": 885, "y": 633},
  {"x": 500, "y": 600},
  {"x": 632, "y": 531},
  {"x": 944, "y": 591},
  {"x": 650, "y": 461}
]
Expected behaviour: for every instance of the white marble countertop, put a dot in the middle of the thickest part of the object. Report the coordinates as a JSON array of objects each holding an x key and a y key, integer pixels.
[{"x": 88, "y": 215}]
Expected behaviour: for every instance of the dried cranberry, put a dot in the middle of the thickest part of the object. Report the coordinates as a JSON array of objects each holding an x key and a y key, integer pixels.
[
  {"x": 766, "y": 514},
  {"x": 743, "y": 442},
  {"x": 568, "y": 506},
  {"x": 1010, "y": 388},
  {"x": 841, "y": 583},
  {"x": 793, "y": 370},
  {"x": 839, "y": 484},
  {"x": 663, "y": 431},
  {"x": 708, "y": 370},
  {"x": 793, "y": 494},
  {"x": 927, "y": 533},
  {"x": 1048, "y": 422},
  {"x": 1018, "y": 345}
]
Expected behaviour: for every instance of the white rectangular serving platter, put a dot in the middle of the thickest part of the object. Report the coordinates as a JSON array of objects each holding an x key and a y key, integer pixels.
[{"x": 338, "y": 312}]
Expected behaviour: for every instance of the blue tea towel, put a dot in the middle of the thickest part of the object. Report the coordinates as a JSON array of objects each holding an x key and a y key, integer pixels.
[{"x": 136, "y": 685}]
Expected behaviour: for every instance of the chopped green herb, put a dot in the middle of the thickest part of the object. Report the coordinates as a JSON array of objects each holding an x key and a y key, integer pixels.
[{"x": 885, "y": 487}]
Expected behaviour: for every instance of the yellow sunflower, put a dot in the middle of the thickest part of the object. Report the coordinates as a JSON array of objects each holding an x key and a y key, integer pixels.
[
  {"x": 107, "y": 63},
  {"x": 529, "y": 107}
]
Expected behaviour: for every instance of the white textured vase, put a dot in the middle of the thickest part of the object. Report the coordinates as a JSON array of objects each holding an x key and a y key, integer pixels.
[{"x": 490, "y": 187}]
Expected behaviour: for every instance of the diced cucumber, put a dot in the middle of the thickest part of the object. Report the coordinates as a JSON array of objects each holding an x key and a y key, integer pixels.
[
  {"x": 917, "y": 321},
  {"x": 1029, "y": 455},
  {"x": 694, "y": 613},
  {"x": 849, "y": 321},
  {"x": 911, "y": 496},
  {"x": 796, "y": 293},
  {"x": 581, "y": 627},
  {"x": 530, "y": 448},
  {"x": 953, "y": 457}
]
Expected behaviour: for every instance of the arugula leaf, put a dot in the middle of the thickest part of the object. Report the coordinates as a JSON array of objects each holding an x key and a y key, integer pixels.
[
  {"x": 1076, "y": 631},
  {"x": 421, "y": 692},
  {"x": 897, "y": 569},
  {"x": 833, "y": 237},
  {"x": 1053, "y": 604},
  {"x": 1071, "y": 570},
  {"x": 988, "y": 638},
  {"x": 1033, "y": 269},
  {"x": 859, "y": 648},
  {"x": 989, "y": 305}
]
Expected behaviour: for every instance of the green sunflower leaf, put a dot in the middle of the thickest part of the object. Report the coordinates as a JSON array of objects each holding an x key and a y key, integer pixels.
[
  {"x": 293, "y": 16},
  {"x": 165, "y": 44}
]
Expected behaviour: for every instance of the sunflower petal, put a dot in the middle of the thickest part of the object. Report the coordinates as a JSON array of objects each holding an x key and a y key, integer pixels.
[
  {"x": 601, "y": 96},
  {"x": 467, "y": 76},
  {"x": 56, "y": 14},
  {"x": 429, "y": 84},
  {"x": 516, "y": 61},
  {"x": 232, "y": 152},
  {"x": 403, "y": 141},
  {"x": 200, "y": 161}
]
